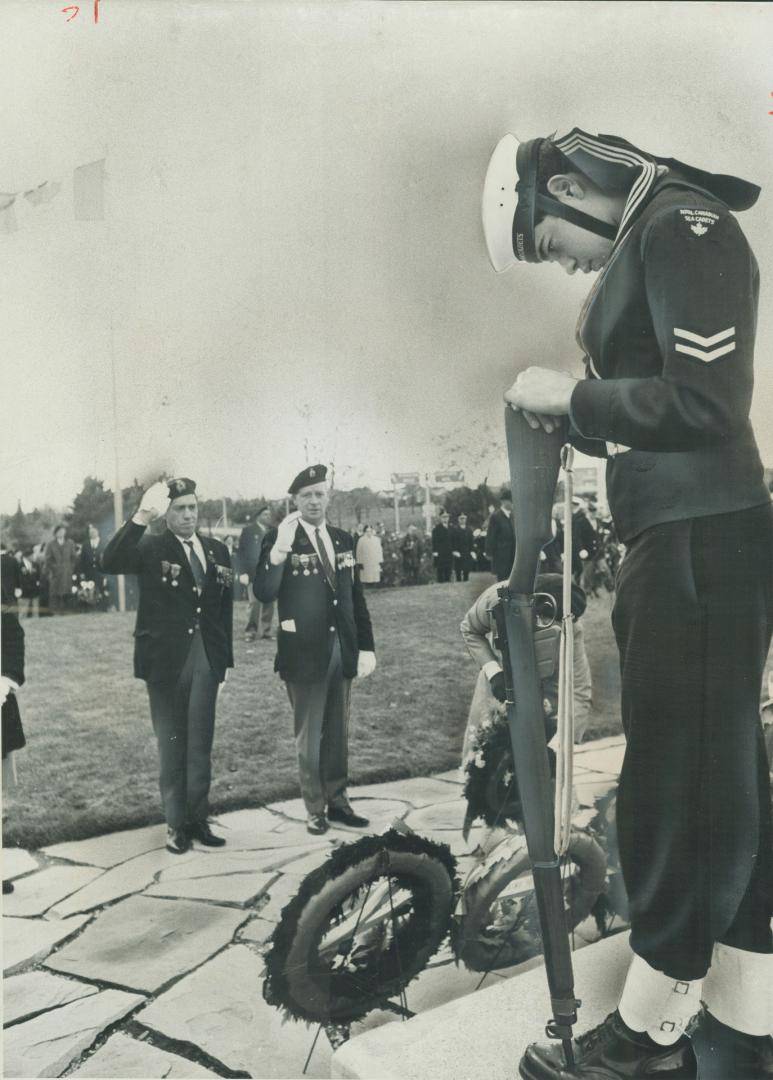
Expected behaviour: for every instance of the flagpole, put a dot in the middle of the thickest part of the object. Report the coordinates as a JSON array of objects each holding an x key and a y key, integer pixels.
[{"x": 117, "y": 492}]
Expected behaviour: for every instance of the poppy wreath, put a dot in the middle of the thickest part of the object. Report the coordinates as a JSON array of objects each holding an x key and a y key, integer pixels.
[
  {"x": 361, "y": 926},
  {"x": 490, "y": 786}
]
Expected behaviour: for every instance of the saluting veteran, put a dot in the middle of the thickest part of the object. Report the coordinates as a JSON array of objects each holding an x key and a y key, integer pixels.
[
  {"x": 324, "y": 640},
  {"x": 183, "y": 645}
]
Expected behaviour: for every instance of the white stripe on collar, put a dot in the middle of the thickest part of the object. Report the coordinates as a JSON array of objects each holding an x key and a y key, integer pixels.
[
  {"x": 638, "y": 193},
  {"x": 599, "y": 149}
]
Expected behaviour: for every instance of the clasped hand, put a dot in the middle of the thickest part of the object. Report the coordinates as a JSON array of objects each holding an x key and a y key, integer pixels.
[{"x": 542, "y": 395}]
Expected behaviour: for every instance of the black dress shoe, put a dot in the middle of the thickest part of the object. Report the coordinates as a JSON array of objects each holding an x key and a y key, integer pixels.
[
  {"x": 611, "y": 1051},
  {"x": 201, "y": 831},
  {"x": 316, "y": 824},
  {"x": 345, "y": 815},
  {"x": 177, "y": 841},
  {"x": 723, "y": 1052},
  {"x": 7, "y": 887}
]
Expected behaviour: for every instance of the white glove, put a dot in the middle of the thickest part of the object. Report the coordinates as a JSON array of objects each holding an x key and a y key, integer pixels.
[
  {"x": 366, "y": 664},
  {"x": 285, "y": 534},
  {"x": 155, "y": 501},
  {"x": 244, "y": 579},
  {"x": 7, "y": 686}
]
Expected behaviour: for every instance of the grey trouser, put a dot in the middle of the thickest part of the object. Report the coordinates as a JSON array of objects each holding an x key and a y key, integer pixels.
[
  {"x": 321, "y": 712},
  {"x": 261, "y": 615},
  {"x": 183, "y": 715}
]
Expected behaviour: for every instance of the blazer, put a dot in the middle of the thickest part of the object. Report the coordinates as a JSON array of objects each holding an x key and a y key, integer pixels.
[
  {"x": 170, "y": 608},
  {"x": 311, "y": 614}
]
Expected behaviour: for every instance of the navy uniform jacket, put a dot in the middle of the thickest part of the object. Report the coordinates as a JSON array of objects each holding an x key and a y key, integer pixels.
[
  {"x": 309, "y": 605},
  {"x": 668, "y": 333},
  {"x": 170, "y": 607},
  {"x": 462, "y": 540},
  {"x": 442, "y": 543}
]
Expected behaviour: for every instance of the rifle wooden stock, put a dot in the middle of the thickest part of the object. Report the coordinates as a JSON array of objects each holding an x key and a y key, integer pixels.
[{"x": 534, "y": 464}]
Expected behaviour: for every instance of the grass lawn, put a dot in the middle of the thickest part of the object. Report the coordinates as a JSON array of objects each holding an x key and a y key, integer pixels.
[{"x": 90, "y": 763}]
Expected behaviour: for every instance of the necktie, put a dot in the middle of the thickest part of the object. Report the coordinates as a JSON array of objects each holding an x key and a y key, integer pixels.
[
  {"x": 325, "y": 560},
  {"x": 199, "y": 574}
]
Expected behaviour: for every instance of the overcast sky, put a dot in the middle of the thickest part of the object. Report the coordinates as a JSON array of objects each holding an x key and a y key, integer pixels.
[{"x": 291, "y": 252}]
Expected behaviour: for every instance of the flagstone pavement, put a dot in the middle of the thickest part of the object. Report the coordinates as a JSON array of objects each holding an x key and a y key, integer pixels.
[{"x": 123, "y": 960}]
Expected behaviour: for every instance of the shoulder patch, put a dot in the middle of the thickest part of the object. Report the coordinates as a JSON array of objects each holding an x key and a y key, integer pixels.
[{"x": 697, "y": 220}]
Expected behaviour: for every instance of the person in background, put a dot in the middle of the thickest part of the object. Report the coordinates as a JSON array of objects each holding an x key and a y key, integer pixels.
[
  {"x": 12, "y": 677},
  {"x": 38, "y": 558},
  {"x": 411, "y": 550},
  {"x": 463, "y": 543},
  {"x": 369, "y": 556},
  {"x": 251, "y": 539},
  {"x": 183, "y": 646},
  {"x": 88, "y": 569},
  {"x": 60, "y": 560},
  {"x": 30, "y": 582},
  {"x": 325, "y": 639},
  {"x": 500, "y": 539},
  {"x": 442, "y": 548}
]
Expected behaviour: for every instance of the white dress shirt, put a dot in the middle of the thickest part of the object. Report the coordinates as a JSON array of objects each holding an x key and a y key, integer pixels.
[
  {"x": 325, "y": 536},
  {"x": 197, "y": 547}
]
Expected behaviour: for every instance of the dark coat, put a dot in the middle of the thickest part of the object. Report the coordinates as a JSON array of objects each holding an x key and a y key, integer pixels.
[
  {"x": 462, "y": 541},
  {"x": 30, "y": 579},
  {"x": 412, "y": 548},
  {"x": 442, "y": 545},
  {"x": 307, "y": 602},
  {"x": 89, "y": 565},
  {"x": 248, "y": 549},
  {"x": 60, "y": 567},
  {"x": 500, "y": 544},
  {"x": 13, "y": 668},
  {"x": 170, "y": 607},
  {"x": 10, "y": 579}
]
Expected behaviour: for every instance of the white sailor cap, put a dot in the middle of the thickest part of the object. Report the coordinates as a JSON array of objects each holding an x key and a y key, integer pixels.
[{"x": 499, "y": 203}]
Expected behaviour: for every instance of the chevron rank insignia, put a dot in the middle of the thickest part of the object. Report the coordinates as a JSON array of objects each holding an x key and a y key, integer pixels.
[{"x": 705, "y": 348}]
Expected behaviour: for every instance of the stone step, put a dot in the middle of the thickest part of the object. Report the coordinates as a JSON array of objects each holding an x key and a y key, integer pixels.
[{"x": 484, "y": 1034}]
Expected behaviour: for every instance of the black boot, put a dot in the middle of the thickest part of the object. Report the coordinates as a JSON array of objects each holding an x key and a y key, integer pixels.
[
  {"x": 611, "y": 1051},
  {"x": 726, "y": 1054}
]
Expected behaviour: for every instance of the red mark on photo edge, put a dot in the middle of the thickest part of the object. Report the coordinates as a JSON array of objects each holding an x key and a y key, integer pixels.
[
  {"x": 75, "y": 9},
  {"x": 770, "y": 112}
]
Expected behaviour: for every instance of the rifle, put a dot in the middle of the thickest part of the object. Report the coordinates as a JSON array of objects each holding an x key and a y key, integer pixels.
[{"x": 534, "y": 462}]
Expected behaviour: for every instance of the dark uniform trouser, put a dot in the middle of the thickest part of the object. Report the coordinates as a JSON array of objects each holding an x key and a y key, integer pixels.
[
  {"x": 693, "y": 618},
  {"x": 321, "y": 712},
  {"x": 183, "y": 715},
  {"x": 462, "y": 568},
  {"x": 443, "y": 570}
]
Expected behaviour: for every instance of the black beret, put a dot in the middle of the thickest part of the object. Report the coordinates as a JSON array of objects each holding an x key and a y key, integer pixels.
[
  {"x": 313, "y": 474},
  {"x": 554, "y": 585},
  {"x": 180, "y": 486}
]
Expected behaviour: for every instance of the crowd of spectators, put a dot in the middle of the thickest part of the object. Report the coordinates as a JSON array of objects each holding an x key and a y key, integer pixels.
[{"x": 61, "y": 576}]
